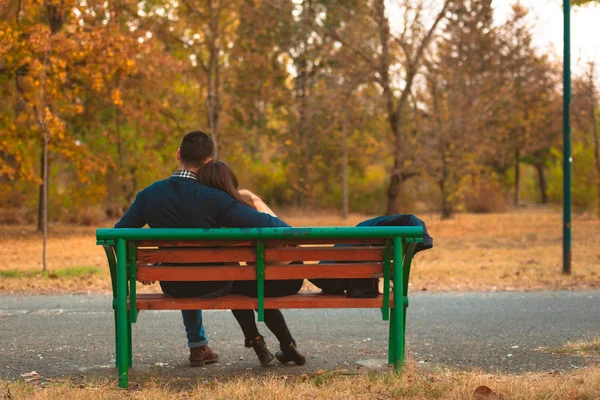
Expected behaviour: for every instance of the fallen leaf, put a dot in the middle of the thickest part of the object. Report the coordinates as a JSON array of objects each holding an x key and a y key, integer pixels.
[{"x": 485, "y": 393}]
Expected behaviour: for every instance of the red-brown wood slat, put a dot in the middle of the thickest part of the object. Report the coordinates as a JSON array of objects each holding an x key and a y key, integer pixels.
[
  {"x": 195, "y": 255},
  {"x": 193, "y": 243},
  {"x": 161, "y": 302},
  {"x": 234, "y": 254},
  {"x": 195, "y": 273},
  {"x": 268, "y": 243},
  {"x": 247, "y": 272}
]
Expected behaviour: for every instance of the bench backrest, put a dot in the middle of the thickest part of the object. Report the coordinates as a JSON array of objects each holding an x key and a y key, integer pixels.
[
  {"x": 359, "y": 256},
  {"x": 220, "y": 260}
]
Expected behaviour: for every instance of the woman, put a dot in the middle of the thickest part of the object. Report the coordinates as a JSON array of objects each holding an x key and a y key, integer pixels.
[{"x": 217, "y": 174}]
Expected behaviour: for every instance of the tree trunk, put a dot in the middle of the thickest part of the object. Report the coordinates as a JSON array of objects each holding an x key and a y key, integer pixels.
[
  {"x": 303, "y": 156},
  {"x": 42, "y": 188},
  {"x": 446, "y": 205},
  {"x": 393, "y": 193},
  {"x": 517, "y": 178},
  {"x": 542, "y": 183},
  {"x": 213, "y": 77},
  {"x": 45, "y": 201},
  {"x": 344, "y": 170}
]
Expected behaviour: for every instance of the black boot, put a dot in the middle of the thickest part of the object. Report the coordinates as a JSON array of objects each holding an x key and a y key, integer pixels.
[
  {"x": 261, "y": 350},
  {"x": 290, "y": 353}
]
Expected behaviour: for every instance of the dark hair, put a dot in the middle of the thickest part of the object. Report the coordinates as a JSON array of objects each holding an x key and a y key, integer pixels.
[
  {"x": 196, "y": 148},
  {"x": 219, "y": 175}
]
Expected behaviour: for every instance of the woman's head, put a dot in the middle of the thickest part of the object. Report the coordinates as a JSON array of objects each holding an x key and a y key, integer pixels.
[{"x": 219, "y": 175}]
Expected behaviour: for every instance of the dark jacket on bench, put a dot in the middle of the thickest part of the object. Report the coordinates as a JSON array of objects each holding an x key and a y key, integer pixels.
[
  {"x": 369, "y": 287},
  {"x": 179, "y": 202}
]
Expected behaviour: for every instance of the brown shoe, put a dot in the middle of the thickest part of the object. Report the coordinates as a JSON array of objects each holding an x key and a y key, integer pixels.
[{"x": 202, "y": 355}]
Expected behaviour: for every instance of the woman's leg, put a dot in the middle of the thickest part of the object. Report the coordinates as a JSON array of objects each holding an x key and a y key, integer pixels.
[
  {"x": 253, "y": 338},
  {"x": 272, "y": 288},
  {"x": 245, "y": 319},
  {"x": 274, "y": 318},
  {"x": 276, "y": 324}
]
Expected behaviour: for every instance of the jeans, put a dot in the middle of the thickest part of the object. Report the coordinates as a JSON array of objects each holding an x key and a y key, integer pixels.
[
  {"x": 192, "y": 319},
  {"x": 196, "y": 335}
]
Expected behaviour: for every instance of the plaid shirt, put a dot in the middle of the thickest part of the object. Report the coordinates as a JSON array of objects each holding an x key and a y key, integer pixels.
[{"x": 185, "y": 173}]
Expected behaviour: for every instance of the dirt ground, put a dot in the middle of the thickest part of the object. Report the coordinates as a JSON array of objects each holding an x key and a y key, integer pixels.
[{"x": 518, "y": 250}]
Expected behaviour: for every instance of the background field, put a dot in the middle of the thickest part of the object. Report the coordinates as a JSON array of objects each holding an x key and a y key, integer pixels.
[{"x": 519, "y": 250}]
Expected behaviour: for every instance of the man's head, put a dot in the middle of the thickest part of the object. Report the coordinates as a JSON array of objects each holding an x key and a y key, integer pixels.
[{"x": 197, "y": 148}]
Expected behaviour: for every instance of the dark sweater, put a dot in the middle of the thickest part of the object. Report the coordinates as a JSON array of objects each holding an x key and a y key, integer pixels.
[
  {"x": 184, "y": 203},
  {"x": 179, "y": 202}
]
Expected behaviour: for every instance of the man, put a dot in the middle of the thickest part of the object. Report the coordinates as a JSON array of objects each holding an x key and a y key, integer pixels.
[{"x": 181, "y": 202}]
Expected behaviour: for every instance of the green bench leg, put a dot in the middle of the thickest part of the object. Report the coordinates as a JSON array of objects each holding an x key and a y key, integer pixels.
[
  {"x": 123, "y": 338},
  {"x": 130, "y": 351},
  {"x": 115, "y": 313},
  {"x": 391, "y": 341},
  {"x": 399, "y": 311}
]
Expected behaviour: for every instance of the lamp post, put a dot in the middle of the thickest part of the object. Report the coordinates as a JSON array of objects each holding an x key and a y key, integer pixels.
[{"x": 567, "y": 160}]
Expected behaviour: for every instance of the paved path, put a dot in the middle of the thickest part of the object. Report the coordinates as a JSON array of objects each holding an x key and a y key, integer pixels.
[{"x": 72, "y": 335}]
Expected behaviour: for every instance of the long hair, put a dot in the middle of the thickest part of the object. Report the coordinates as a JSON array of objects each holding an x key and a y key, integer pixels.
[{"x": 219, "y": 175}]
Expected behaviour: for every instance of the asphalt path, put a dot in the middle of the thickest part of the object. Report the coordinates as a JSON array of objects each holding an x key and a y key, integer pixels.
[{"x": 73, "y": 335}]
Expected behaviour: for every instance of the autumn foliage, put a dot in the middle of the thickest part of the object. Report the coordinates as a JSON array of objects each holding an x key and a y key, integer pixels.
[{"x": 361, "y": 106}]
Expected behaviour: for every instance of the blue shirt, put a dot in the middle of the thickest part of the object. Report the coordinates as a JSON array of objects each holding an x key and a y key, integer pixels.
[{"x": 182, "y": 202}]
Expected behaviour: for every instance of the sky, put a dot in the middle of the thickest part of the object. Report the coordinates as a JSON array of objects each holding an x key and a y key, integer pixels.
[{"x": 546, "y": 17}]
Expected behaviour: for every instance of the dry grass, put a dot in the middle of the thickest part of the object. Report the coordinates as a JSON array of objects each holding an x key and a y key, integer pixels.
[
  {"x": 520, "y": 250},
  {"x": 578, "y": 385},
  {"x": 584, "y": 348}
]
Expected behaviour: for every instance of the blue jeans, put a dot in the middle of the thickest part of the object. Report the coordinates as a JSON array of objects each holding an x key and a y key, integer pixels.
[
  {"x": 196, "y": 335},
  {"x": 192, "y": 319}
]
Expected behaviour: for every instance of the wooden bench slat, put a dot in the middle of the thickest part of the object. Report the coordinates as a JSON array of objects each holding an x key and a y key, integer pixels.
[
  {"x": 247, "y": 272},
  {"x": 268, "y": 243},
  {"x": 193, "y": 243},
  {"x": 161, "y": 302},
  {"x": 195, "y": 255},
  {"x": 248, "y": 254}
]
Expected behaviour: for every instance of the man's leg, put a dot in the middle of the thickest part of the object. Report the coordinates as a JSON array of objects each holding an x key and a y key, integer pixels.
[
  {"x": 196, "y": 335},
  {"x": 200, "y": 353}
]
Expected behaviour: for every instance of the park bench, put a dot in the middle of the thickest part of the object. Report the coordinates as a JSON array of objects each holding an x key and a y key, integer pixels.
[{"x": 257, "y": 254}]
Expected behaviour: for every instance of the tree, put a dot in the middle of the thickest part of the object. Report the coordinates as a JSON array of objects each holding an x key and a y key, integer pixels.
[
  {"x": 203, "y": 33},
  {"x": 529, "y": 128},
  {"x": 463, "y": 87},
  {"x": 585, "y": 117},
  {"x": 393, "y": 62}
]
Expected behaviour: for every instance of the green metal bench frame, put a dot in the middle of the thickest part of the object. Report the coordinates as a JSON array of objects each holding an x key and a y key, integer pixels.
[{"x": 120, "y": 248}]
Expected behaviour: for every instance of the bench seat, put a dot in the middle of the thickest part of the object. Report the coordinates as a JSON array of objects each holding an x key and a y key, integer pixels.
[{"x": 157, "y": 301}]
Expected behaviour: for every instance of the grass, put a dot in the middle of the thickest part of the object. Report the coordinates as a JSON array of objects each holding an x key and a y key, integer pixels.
[
  {"x": 518, "y": 250},
  {"x": 589, "y": 347},
  {"x": 59, "y": 273},
  {"x": 413, "y": 384}
]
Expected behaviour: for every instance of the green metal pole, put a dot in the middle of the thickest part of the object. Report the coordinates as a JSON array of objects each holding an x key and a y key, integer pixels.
[
  {"x": 387, "y": 262},
  {"x": 391, "y": 340},
  {"x": 260, "y": 279},
  {"x": 567, "y": 160},
  {"x": 122, "y": 339},
  {"x": 399, "y": 310}
]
